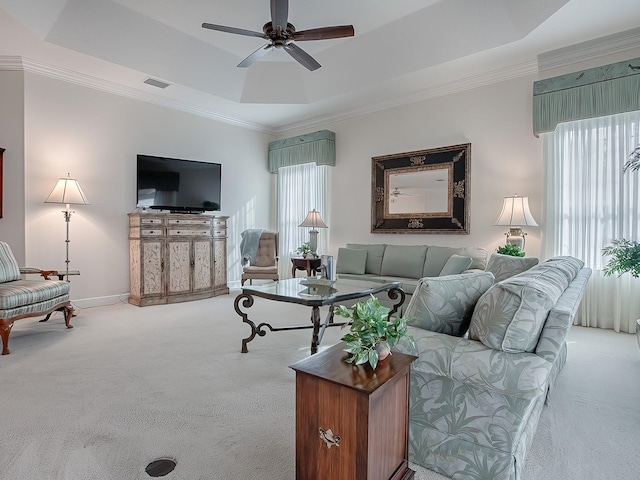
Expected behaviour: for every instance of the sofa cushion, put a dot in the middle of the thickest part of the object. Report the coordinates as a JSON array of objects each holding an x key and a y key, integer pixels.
[
  {"x": 505, "y": 266},
  {"x": 9, "y": 269},
  {"x": 404, "y": 260},
  {"x": 375, "y": 252},
  {"x": 445, "y": 304},
  {"x": 351, "y": 260},
  {"x": 511, "y": 314},
  {"x": 435, "y": 259},
  {"x": 455, "y": 265},
  {"x": 478, "y": 256},
  {"x": 26, "y": 292}
]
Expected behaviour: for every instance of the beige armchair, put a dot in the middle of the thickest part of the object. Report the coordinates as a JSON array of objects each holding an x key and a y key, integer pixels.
[{"x": 265, "y": 266}]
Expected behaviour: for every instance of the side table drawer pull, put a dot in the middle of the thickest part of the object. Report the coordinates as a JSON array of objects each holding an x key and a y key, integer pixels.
[{"x": 329, "y": 438}]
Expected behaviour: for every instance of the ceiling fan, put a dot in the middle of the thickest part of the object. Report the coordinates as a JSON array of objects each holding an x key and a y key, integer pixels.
[
  {"x": 281, "y": 34},
  {"x": 396, "y": 193}
]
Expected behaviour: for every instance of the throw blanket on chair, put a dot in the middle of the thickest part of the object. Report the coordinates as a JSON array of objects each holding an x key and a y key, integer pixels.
[{"x": 249, "y": 244}]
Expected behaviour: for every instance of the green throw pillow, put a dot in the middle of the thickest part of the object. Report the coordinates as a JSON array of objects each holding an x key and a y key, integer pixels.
[
  {"x": 456, "y": 265},
  {"x": 351, "y": 260}
]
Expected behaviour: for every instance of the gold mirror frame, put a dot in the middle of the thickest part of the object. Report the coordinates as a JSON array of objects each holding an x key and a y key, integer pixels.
[{"x": 438, "y": 207}]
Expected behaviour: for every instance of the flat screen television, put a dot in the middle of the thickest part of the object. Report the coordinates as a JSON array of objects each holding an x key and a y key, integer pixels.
[{"x": 180, "y": 186}]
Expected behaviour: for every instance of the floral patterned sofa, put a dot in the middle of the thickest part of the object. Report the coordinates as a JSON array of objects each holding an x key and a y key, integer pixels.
[{"x": 476, "y": 396}]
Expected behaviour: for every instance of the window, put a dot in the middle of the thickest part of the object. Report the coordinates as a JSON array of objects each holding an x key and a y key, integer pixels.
[
  {"x": 589, "y": 202},
  {"x": 300, "y": 188}
]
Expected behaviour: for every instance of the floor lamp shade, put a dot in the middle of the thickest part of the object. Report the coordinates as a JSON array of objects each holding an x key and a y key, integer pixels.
[
  {"x": 516, "y": 214},
  {"x": 314, "y": 221},
  {"x": 67, "y": 191}
]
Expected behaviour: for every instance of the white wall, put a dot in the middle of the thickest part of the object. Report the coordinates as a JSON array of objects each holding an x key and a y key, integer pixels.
[
  {"x": 95, "y": 137},
  {"x": 12, "y": 223},
  {"x": 506, "y": 159}
]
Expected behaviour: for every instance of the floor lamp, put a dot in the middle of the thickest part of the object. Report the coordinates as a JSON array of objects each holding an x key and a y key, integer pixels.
[{"x": 67, "y": 191}]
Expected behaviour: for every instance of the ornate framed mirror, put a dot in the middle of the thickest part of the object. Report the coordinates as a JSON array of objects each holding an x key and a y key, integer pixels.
[{"x": 426, "y": 191}]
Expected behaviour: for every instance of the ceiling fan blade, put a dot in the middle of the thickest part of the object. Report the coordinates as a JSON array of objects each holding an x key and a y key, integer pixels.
[
  {"x": 279, "y": 14},
  {"x": 324, "y": 33},
  {"x": 302, "y": 57},
  {"x": 259, "y": 53},
  {"x": 237, "y": 31}
]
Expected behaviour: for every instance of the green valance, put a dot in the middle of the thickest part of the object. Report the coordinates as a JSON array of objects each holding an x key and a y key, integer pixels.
[
  {"x": 596, "y": 92},
  {"x": 318, "y": 147}
]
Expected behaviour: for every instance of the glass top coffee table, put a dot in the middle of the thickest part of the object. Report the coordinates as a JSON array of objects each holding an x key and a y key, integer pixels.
[{"x": 313, "y": 293}]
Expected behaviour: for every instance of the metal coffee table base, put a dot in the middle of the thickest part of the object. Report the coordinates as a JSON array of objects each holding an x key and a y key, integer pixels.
[{"x": 317, "y": 325}]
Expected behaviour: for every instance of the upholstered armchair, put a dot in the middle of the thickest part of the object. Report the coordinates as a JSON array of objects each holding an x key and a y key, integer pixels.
[
  {"x": 264, "y": 266},
  {"x": 28, "y": 298}
]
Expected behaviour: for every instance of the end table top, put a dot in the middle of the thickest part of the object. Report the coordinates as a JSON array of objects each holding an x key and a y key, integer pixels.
[{"x": 329, "y": 365}]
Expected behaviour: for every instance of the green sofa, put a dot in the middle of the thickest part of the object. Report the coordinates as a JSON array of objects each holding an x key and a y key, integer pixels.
[
  {"x": 476, "y": 396},
  {"x": 406, "y": 264}
]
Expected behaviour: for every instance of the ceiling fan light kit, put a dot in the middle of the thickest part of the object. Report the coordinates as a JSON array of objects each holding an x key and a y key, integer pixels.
[{"x": 281, "y": 34}]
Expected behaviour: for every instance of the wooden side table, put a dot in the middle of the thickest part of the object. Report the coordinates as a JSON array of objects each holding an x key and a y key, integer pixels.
[
  {"x": 309, "y": 264},
  {"x": 352, "y": 421}
]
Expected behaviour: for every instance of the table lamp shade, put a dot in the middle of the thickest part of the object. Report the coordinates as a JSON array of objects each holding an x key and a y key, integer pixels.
[
  {"x": 313, "y": 220},
  {"x": 67, "y": 191},
  {"x": 516, "y": 212}
]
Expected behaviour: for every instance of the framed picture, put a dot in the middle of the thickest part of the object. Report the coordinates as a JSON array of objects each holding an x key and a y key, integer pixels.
[{"x": 426, "y": 191}]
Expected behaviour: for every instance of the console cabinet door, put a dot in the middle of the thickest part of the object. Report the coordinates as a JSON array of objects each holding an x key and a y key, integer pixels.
[
  {"x": 202, "y": 265},
  {"x": 178, "y": 266},
  {"x": 152, "y": 268}
]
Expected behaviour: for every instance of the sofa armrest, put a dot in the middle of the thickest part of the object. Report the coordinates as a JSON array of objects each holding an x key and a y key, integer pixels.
[{"x": 522, "y": 374}]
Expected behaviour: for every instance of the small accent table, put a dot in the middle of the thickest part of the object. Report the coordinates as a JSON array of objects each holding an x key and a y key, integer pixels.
[
  {"x": 311, "y": 265},
  {"x": 352, "y": 421},
  {"x": 292, "y": 291}
]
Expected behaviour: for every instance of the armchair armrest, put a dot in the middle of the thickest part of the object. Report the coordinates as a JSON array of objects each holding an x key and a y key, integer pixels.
[{"x": 45, "y": 273}]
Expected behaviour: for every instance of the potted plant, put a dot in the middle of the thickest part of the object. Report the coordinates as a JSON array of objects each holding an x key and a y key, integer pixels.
[
  {"x": 371, "y": 335},
  {"x": 625, "y": 257},
  {"x": 512, "y": 250},
  {"x": 304, "y": 249}
]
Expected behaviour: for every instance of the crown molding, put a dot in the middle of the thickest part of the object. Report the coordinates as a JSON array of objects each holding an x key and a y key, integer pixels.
[
  {"x": 17, "y": 63},
  {"x": 592, "y": 49},
  {"x": 428, "y": 93}
]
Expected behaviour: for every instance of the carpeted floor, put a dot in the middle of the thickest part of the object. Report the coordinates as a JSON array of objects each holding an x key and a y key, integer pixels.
[{"x": 129, "y": 385}]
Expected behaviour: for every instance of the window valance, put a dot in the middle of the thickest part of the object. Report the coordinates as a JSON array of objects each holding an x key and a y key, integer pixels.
[
  {"x": 318, "y": 147},
  {"x": 596, "y": 92}
]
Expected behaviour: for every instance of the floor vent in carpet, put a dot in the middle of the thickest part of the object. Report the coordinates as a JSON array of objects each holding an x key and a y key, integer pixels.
[{"x": 160, "y": 467}]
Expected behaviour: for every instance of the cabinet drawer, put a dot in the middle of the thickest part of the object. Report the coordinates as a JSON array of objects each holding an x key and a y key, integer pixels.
[
  {"x": 219, "y": 233},
  {"x": 219, "y": 223},
  {"x": 183, "y": 232},
  {"x": 151, "y": 221},
  {"x": 175, "y": 221},
  {"x": 149, "y": 232}
]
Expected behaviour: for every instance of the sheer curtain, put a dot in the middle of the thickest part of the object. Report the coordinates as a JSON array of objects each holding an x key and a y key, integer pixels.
[
  {"x": 301, "y": 188},
  {"x": 589, "y": 202}
]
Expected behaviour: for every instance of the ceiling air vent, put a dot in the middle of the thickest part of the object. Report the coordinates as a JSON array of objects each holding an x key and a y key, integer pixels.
[{"x": 156, "y": 83}]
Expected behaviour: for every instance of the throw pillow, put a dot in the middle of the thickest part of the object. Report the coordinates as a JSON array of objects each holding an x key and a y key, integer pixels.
[
  {"x": 455, "y": 265},
  {"x": 375, "y": 252},
  {"x": 511, "y": 314},
  {"x": 445, "y": 304},
  {"x": 9, "y": 269},
  {"x": 505, "y": 266},
  {"x": 351, "y": 260}
]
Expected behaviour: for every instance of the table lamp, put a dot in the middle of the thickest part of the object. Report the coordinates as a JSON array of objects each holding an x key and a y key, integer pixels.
[
  {"x": 314, "y": 221},
  {"x": 516, "y": 214}
]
